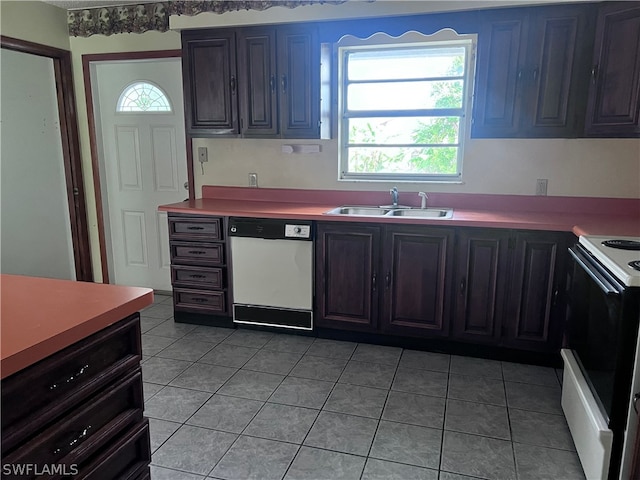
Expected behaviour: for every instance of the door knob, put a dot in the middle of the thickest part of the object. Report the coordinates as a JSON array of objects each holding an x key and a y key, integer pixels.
[{"x": 186, "y": 186}]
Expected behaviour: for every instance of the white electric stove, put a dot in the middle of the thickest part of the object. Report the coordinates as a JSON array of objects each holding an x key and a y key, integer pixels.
[{"x": 618, "y": 257}]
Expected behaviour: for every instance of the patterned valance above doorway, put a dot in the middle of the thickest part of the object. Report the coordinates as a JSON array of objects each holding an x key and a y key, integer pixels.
[{"x": 155, "y": 16}]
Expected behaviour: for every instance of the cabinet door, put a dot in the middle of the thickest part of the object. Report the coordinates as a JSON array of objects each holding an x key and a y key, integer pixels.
[
  {"x": 482, "y": 258},
  {"x": 557, "y": 72},
  {"x": 533, "y": 319},
  {"x": 501, "y": 56},
  {"x": 258, "y": 89},
  {"x": 209, "y": 75},
  {"x": 299, "y": 71},
  {"x": 347, "y": 276},
  {"x": 614, "y": 97},
  {"x": 417, "y": 272}
]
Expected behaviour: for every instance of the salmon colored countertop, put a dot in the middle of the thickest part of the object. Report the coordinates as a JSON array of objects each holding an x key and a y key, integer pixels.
[
  {"x": 41, "y": 316},
  {"x": 580, "y": 215}
]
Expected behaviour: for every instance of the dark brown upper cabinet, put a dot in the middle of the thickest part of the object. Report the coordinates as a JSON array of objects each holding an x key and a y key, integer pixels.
[
  {"x": 532, "y": 72},
  {"x": 259, "y": 88},
  {"x": 210, "y": 82},
  {"x": 614, "y": 96},
  {"x": 299, "y": 71},
  {"x": 271, "y": 92}
]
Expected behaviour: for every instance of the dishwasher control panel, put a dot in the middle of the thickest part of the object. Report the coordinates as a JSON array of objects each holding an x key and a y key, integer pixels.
[
  {"x": 297, "y": 231},
  {"x": 271, "y": 228}
]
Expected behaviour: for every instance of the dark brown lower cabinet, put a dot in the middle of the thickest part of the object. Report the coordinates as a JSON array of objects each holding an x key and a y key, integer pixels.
[
  {"x": 396, "y": 285},
  {"x": 79, "y": 412},
  {"x": 417, "y": 267},
  {"x": 535, "y": 310},
  {"x": 482, "y": 261},
  {"x": 347, "y": 270},
  {"x": 509, "y": 288},
  {"x": 492, "y": 287}
]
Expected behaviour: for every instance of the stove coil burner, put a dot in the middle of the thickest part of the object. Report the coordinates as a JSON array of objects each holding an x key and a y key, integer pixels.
[
  {"x": 635, "y": 264},
  {"x": 622, "y": 244}
]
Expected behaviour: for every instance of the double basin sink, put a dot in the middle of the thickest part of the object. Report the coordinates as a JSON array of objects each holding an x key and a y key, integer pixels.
[{"x": 392, "y": 211}]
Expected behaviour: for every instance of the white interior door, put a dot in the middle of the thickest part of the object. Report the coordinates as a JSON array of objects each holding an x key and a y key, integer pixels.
[
  {"x": 143, "y": 165},
  {"x": 36, "y": 229}
]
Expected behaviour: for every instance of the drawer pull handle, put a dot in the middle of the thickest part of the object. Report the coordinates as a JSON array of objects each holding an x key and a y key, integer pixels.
[
  {"x": 200, "y": 300},
  {"x": 71, "y": 444},
  {"x": 197, "y": 252},
  {"x": 197, "y": 275},
  {"x": 195, "y": 228},
  {"x": 72, "y": 378}
]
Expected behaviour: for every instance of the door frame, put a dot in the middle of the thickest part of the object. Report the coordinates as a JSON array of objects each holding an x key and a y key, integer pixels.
[
  {"x": 87, "y": 60},
  {"x": 70, "y": 148}
]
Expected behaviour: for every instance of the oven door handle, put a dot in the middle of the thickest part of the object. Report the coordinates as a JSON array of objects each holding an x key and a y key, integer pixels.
[{"x": 602, "y": 282}]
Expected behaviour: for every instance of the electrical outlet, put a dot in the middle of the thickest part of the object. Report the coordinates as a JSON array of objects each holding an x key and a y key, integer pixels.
[
  {"x": 202, "y": 155},
  {"x": 253, "y": 180},
  {"x": 541, "y": 186}
]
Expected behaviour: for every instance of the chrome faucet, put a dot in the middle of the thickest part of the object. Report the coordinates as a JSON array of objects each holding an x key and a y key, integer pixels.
[
  {"x": 394, "y": 196},
  {"x": 423, "y": 199}
]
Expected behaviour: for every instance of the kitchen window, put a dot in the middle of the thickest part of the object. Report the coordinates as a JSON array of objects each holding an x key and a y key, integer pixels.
[{"x": 404, "y": 105}]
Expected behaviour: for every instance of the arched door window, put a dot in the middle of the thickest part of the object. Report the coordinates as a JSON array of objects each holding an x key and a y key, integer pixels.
[{"x": 143, "y": 97}]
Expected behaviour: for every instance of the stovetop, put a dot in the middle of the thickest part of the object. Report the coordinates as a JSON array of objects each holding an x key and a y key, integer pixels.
[{"x": 614, "y": 259}]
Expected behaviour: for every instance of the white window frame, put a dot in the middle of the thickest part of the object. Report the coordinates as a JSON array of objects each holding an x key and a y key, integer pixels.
[{"x": 444, "y": 38}]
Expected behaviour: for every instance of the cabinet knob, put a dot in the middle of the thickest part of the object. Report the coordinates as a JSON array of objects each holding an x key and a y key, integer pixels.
[
  {"x": 233, "y": 85},
  {"x": 374, "y": 281},
  {"x": 284, "y": 84},
  {"x": 463, "y": 285},
  {"x": 272, "y": 83},
  {"x": 387, "y": 280},
  {"x": 594, "y": 73},
  {"x": 636, "y": 397}
]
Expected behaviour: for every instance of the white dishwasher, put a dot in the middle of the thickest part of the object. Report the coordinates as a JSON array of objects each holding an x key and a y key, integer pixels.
[{"x": 272, "y": 272}]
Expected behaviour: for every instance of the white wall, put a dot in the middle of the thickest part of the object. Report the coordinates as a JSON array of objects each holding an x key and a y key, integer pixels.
[
  {"x": 36, "y": 22},
  {"x": 577, "y": 167},
  {"x": 36, "y": 231}
]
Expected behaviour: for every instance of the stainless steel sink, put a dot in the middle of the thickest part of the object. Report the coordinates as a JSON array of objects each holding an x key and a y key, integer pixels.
[
  {"x": 388, "y": 211},
  {"x": 359, "y": 211},
  {"x": 440, "y": 213}
]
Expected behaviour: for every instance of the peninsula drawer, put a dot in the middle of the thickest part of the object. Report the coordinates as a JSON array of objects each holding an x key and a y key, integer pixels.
[
  {"x": 197, "y": 253},
  {"x": 82, "y": 434},
  {"x": 126, "y": 459},
  {"x": 45, "y": 390},
  {"x": 204, "y": 228},
  {"x": 199, "y": 301},
  {"x": 197, "y": 277}
]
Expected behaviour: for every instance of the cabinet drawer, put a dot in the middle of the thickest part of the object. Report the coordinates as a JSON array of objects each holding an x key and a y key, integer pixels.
[
  {"x": 199, "y": 301},
  {"x": 204, "y": 228},
  {"x": 44, "y": 391},
  {"x": 197, "y": 253},
  {"x": 127, "y": 458},
  {"x": 74, "y": 439},
  {"x": 198, "y": 277}
]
